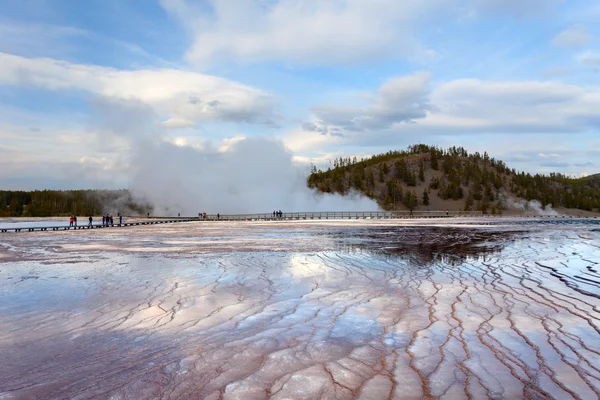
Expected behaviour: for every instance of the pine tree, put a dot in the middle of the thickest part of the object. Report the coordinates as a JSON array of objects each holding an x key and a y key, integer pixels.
[
  {"x": 410, "y": 199},
  {"x": 469, "y": 202},
  {"x": 425, "y": 197},
  {"x": 434, "y": 161},
  {"x": 370, "y": 180}
]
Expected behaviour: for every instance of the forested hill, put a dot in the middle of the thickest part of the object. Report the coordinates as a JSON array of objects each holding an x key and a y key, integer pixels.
[
  {"x": 44, "y": 203},
  {"x": 426, "y": 177}
]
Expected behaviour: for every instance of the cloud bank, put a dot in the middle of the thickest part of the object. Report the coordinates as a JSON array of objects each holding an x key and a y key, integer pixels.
[
  {"x": 180, "y": 98},
  {"x": 307, "y": 31},
  {"x": 408, "y": 104}
]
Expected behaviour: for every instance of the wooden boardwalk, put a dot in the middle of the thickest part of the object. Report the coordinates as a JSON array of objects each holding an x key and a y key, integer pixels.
[
  {"x": 94, "y": 226},
  {"x": 297, "y": 216},
  {"x": 342, "y": 215}
]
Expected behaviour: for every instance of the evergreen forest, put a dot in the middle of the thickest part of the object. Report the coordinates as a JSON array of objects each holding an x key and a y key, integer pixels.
[
  {"x": 416, "y": 177},
  {"x": 45, "y": 203}
]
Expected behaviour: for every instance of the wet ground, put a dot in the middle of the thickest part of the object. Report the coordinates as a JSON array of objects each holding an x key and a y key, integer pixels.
[{"x": 451, "y": 309}]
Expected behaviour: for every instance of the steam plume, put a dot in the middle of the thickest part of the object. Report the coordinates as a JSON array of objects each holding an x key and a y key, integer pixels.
[{"x": 253, "y": 175}]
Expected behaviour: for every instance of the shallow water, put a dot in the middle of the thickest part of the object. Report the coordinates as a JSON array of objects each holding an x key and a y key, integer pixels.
[
  {"x": 452, "y": 309},
  {"x": 11, "y": 223}
]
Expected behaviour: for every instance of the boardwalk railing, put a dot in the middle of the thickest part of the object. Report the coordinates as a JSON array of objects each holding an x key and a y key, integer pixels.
[
  {"x": 341, "y": 215},
  {"x": 94, "y": 226}
]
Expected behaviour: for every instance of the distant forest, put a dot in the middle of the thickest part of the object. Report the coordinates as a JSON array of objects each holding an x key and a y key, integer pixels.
[
  {"x": 410, "y": 179},
  {"x": 45, "y": 203}
]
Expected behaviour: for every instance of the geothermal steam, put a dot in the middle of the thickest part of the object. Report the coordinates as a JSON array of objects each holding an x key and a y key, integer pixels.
[{"x": 252, "y": 176}]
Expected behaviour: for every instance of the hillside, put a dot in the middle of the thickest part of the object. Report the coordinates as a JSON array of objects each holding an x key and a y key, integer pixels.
[{"x": 426, "y": 177}]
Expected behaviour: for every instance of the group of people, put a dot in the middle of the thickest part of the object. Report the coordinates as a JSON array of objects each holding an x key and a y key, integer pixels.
[
  {"x": 205, "y": 216},
  {"x": 277, "y": 214},
  {"x": 107, "y": 220}
]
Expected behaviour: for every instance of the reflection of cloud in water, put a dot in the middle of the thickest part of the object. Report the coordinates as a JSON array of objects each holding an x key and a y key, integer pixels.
[{"x": 328, "y": 311}]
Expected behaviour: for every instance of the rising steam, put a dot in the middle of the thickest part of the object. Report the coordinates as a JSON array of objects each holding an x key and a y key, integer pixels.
[
  {"x": 530, "y": 206},
  {"x": 253, "y": 175}
]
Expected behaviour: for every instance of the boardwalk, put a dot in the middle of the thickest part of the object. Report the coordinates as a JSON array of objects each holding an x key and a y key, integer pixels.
[
  {"x": 333, "y": 215},
  {"x": 94, "y": 226},
  {"x": 345, "y": 215},
  {"x": 294, "y": 216}
]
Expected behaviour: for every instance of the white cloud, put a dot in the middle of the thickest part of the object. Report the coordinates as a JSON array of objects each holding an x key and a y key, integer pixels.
[
  {"x": 302, "y": 141},
  {"x": 180, "y": 97},
  {"x": 303, "y": 31},
  {"x": 401, "y": 99},
  {"x": 519, "y": 106},
  {"x": 227, "y": 143},
  {"x": 575, "y": 36},
  {"x": 552, "y": 155},
  {"x": 325, "y": 32},
  {"x": 590, "y": 58},
  {"x": 178, "y": 123}
]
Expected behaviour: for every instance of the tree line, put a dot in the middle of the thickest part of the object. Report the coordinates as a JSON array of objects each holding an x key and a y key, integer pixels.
[{"x": 45, "y": 203}]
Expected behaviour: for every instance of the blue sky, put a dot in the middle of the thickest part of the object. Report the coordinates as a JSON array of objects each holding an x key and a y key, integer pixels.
[{"x": 82, "y": 82}]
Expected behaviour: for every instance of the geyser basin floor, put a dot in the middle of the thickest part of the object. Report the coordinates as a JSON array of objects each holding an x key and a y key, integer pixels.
[{"x": 363, "y": 309}]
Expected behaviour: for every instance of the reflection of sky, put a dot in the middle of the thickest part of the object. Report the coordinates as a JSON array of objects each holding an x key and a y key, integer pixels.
[
  {"x": 32, "y": 224},
  {"x": 32, "y": 293},
  {"x": 296, "y": 309}
]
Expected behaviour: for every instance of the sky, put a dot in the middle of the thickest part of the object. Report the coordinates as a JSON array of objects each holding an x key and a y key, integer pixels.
[{"x": 85, "y": 84}]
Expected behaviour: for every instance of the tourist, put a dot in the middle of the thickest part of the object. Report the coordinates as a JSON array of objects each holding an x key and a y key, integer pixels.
[
  {"x": 91, "y": 219},
  {"x": 120, "y": 219},
  {"x": 218, "y": 216},
  {"x": 111, "y": 221},
  {"x": 71, "y": 221},
  {"x": 103, "y": 220},
  {"x": 75, "y": 219}
]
